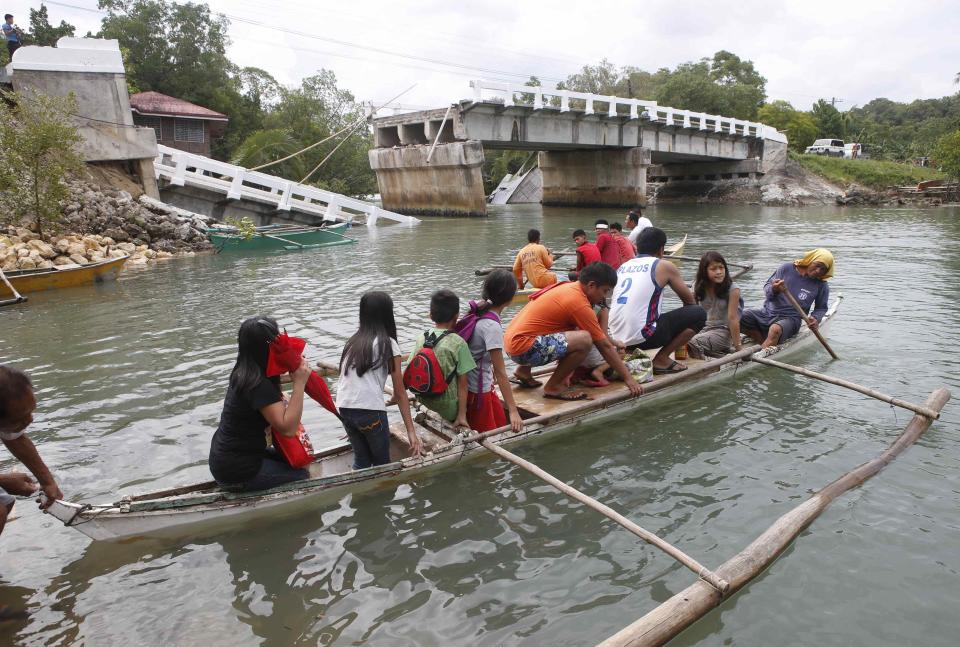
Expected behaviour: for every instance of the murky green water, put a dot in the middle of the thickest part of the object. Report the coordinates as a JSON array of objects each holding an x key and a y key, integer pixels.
[{"x": 130, "y": 378}]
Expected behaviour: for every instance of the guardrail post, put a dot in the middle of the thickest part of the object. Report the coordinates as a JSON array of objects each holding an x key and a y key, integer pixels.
[
  {"x": 235, "y": 192},
  {"x": 284, "y": 203},
  {"x": 589, "y": 109},
  {"x": 686, "y": 119},
  {"x": 564, "y": 102},
  {"x": 538, "y": 100},
  {"x": 179, "y": 169},
  {"x": 332, "y": 210},
  {"x": 703, "y": 121},
  {"x": 372, "y": 216},
  {"x": 733, "y": 127},
  {"x": 612, "y": 110},
  {"x": 633, "y": 110}
]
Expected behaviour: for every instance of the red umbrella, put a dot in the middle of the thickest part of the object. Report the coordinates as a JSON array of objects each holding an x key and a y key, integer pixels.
[{"x": 285, "y": 355}]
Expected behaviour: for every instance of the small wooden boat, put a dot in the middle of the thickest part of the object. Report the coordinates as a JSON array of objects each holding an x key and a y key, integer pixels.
[
  {"x": 64, "y": 276},
  {"x": 170, "y": 511},
  {"x": 279, "y": 237},
  {"x": 675, "y": 250}
]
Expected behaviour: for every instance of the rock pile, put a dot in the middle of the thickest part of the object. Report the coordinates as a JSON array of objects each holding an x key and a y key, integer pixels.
[{"x": 106, "y": 223}]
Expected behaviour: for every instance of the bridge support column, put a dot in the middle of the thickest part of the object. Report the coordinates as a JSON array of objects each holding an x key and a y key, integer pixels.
[
  {"x": 450, "y": 184},
  {"x": 595, "y": 178}
]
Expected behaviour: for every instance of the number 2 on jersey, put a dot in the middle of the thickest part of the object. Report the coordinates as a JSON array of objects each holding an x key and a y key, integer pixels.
[{"x": 626, "y": 288}]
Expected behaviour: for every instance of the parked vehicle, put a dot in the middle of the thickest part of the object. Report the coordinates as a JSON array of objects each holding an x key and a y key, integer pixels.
[{"x": 829, "y": 147}]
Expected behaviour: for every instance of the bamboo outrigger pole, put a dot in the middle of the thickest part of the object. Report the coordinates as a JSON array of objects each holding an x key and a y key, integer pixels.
[
  {"x": 703, "y": 572},
  {"x": 679, "y": 612},
  {"x": 883, "y": 397},
  {"x": 17, "y": 297}
]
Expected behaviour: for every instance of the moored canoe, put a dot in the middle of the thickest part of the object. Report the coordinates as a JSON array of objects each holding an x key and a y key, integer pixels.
[{"x": 38, "y": 280}]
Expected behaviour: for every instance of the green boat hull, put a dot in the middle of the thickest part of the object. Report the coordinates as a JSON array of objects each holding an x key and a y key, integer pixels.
[{"x": 269, "y": 240}]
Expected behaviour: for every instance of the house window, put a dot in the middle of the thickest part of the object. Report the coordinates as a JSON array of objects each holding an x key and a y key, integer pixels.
[
  {"x": 188, "y": 130},
  {"x": 152, "y": 122}
]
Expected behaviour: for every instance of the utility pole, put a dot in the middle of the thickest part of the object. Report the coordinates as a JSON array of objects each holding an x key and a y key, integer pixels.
[{"x": 834, "y": 101}]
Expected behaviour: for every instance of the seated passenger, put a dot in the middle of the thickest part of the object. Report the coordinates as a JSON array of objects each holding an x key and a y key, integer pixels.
[
  {"x": 560, "y": 325},
  {"x": 720, "y": 297},
  {"x": 534, "y": 260},
  {"x": 239, "y": 457},
  {"x": 635, "y": 317},
  {"x": 806, "y": 279},
  {"x": 587, "y": 253},
  {"x": 624, "y": 246}
]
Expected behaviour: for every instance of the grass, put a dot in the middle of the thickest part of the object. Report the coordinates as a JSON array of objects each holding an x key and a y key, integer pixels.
[{"x": 870, "y": 173}]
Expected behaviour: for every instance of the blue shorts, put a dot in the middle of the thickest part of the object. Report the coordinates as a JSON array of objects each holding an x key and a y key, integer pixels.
[
  {"x": 757, "y": 319},
  {"x": 545, "y": 349}
]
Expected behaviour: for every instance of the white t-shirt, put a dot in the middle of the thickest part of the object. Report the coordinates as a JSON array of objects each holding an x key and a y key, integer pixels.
[
  {"x": 642, "y": 224},
  {"x": 487, "y": 336},
  {"x": 366, "y": 392}
]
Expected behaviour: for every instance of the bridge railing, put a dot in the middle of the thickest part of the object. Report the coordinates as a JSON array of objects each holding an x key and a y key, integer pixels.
[
  {"x": 546, "y": 98},
  {"x": 180, "y": 168}
]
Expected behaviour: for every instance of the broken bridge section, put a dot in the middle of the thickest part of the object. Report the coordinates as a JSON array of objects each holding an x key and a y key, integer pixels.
[{"x": 594, "y": 150}]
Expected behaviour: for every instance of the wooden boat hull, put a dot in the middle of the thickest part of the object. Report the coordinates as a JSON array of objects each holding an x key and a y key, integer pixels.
[
  {"x": 267, "y": 239},
  {"x": 169, "y": 512},
  {"x": 27, "y": 281},
  {"x": 522, "y": 296}
]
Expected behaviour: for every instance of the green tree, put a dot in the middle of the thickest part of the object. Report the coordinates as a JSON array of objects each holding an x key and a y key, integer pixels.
[
  {"x": 725, "y": 85},
  {"x": 180, "y": 50},
  {"x": 39, "y": 142},
  {"x": 947, "y": 154},
  {"x": 42, "y": 32},
  {"x": 829, "y": 121},
  {"x": 800, "y": 127}
]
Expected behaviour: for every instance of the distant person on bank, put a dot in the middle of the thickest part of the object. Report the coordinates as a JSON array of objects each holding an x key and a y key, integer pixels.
[
  {"x": 636, "y": 222},
  {"x": 635, "y": 317},
  {"x": 535, "y": 261},
  {"x": 17, "y": 404},
  {"x": 560, "y": 325},
  {"x": 806, "y": 279},
  {"x": 13, "y": 35}
]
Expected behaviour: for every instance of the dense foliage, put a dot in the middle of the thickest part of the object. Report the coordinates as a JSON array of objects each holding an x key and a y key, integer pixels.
[
  {"x": 947, "y": 154},
  {"x": 39, "y": 143}
]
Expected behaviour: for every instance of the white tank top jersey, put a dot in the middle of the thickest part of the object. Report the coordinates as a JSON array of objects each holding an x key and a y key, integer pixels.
[{"x": 636, "y": 300}]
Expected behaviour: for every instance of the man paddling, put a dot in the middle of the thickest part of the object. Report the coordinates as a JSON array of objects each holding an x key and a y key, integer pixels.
[
  {"x": 635, "y": 317},
  {"x": 17, "y": 404},
  {"x": 559, "y": 324},
  {"x": 535, "y": 261}
]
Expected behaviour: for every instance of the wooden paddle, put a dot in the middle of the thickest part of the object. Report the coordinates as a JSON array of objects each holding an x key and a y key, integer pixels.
[
  {"x": 18, "y": 298},
  {"x": 796, "y": 306}
]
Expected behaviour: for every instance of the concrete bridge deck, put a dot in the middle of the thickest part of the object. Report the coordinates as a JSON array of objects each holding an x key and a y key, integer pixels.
[{"x": 594, "y": 150}]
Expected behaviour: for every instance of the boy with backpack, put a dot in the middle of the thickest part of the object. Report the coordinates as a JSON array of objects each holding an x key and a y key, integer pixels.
[{"x": 440, "y": 362}]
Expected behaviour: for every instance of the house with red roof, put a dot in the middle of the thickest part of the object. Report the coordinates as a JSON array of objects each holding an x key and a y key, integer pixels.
[{"x": 178, "y": 123}]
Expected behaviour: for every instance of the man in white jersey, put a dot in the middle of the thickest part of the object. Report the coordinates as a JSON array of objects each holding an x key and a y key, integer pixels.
[
  {"x": 635, "y": 317},
  {"x": 635, "y": 223}
]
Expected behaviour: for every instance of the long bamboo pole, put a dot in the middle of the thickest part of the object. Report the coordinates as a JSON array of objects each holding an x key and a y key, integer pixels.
[
  {"x": 718, "y": 583},
  {"x": 883, "y": 397},
  {"x": 803, "y": 315},
  {"x": 679, "y": 612}
]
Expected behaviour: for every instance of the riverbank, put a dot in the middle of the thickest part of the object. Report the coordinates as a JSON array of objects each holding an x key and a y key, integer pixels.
[
  {"x": 100, "y": 222},
  {"x": 808, "y": 180}
]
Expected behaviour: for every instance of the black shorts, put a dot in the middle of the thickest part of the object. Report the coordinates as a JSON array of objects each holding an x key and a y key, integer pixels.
[
  {"x": 670, "y": 324},
  {"x": 757, "y": 319}
]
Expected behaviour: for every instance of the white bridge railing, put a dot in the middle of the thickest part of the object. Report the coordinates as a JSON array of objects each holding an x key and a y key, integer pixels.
[
  {"x": 181, "y": 168},
  {"x": 636, "y": 108}
]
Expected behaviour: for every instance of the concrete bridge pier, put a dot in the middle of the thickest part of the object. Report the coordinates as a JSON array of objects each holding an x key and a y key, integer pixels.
[
  {"x": 449, "y": 184},
  {"x": 595, "y": 178}
]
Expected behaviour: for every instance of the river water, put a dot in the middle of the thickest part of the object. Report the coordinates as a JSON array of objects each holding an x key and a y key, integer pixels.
[{"x": 130, "y": 378}]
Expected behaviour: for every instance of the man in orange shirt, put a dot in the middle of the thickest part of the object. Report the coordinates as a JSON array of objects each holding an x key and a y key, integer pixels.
[
  {"x": 534, "y": 260},
  {"x": 560, "y": 325}
]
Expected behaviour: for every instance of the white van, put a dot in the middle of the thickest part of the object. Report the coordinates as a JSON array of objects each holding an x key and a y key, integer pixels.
[{"x": 831, "y": 147}]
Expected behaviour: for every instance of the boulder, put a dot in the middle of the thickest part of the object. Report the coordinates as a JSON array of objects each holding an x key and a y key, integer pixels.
[
  {"x": 45, "y": 265},
  {"x": 91, "y": 242},
  {"x": 45, "y": 250},
  {"x": 127, "y": 248},
  {"x": 116, "y": 253},
  {"x": 62, "y": 260},
  {"x": 117, "y": 234},
  {"x": 26, "y": 264},
  {"x": 106, "y": 241},
  {"x": 79, "y": 259},
  {"x": 62, "y": 246},
  {"x": 76, "y": 249}
]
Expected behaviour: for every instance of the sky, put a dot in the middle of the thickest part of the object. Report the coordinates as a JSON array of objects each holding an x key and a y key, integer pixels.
[{"x": 848, "y": 50}]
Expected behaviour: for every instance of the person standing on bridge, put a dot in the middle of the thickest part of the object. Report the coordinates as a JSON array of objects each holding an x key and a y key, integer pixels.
[
  {"x": 13, "y": 35},
  {"x": 535, "y": 261}
]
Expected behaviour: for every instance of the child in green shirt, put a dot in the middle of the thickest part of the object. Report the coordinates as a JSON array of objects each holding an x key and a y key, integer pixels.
[{"x": 454, "y": 357}]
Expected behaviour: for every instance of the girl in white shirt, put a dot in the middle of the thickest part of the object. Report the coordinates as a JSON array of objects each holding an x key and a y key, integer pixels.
[{"x": 368, "y": 357}]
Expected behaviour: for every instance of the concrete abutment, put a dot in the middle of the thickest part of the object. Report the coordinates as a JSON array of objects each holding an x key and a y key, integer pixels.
[
  {"x": 595, "y": 178},
  {"x": 449, "y": 184}
]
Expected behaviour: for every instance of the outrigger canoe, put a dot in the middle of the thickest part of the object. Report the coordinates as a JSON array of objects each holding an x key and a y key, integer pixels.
[
  {"x": 279, "y": 237},
  {"x": 64, "y": 276},
  {"x": 172, "y": 511},
  {"x": 522, "y": 296}
]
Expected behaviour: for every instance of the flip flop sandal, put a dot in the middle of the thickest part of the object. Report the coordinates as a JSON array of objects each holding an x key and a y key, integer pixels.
[
  {"x": 528, "y": 383},
  {"x": 594, "y": 384},
  {"x": 673, "y": 367},
  {"x": 568, "y": 396}
]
